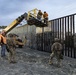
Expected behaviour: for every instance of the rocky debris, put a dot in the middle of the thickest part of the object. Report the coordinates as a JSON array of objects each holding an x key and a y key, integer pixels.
[{"x": 33, "y": 62}]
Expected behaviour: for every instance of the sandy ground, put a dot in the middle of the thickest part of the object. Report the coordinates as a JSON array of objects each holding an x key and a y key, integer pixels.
[{"x": 33, "y": 62}]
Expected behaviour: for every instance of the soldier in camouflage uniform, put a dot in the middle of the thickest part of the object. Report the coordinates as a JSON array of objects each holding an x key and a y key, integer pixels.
[
  {"x": 56, "y": 51},
  {"x": 11, "y": 47}
]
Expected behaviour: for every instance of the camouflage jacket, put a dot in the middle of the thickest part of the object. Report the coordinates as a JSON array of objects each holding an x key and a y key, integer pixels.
[
  {"x": 11, "y": 42},
  {"x": 56, "y": 46}
]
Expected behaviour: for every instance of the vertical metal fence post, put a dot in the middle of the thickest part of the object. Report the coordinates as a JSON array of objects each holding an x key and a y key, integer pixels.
[{"x": 74, "y": 33}]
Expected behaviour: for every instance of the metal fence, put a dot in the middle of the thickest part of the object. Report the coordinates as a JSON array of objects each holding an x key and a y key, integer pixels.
[{"x": 64, "y": 29}]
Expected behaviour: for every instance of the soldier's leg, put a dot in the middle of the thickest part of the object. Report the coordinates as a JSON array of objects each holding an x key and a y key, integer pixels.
[
  {"x": 51, "y": 58},
  {"x": 59, "y": 62},
  {"x": 10, "y": 57},
  {"x": 14, "y": 55},
  {"x": 59, "y": 59}
]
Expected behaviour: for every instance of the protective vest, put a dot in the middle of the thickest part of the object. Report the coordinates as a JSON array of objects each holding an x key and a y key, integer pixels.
[{"x": 2, "y": 39}]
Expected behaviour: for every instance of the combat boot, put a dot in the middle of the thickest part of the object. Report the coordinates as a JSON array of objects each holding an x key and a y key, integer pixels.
[
  {"x": 50, "y": 62},
  {"x": 13, "y": 62},
  {"x": 59, "y": 64}
]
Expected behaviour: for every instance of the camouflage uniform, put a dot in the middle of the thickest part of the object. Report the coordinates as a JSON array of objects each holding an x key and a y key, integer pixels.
[
  {"x": 56, "y": 51},
  {"x": 39, "y": 15},
  {"x": 11, "y": 45}
]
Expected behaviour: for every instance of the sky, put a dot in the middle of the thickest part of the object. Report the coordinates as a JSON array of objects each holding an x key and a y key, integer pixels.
[{"x": 11, "y": 9}]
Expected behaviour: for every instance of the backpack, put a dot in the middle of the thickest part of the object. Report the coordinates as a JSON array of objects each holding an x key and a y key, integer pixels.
[{"x": 57, "y": 46}]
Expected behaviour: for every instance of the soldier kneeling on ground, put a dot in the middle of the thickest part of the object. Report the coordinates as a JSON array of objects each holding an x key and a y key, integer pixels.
[
  {"x": 57, "y": 52},
  {"x": 11, "y": 48}
]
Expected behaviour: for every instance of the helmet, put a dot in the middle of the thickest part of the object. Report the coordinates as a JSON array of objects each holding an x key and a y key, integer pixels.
[{"x": 56, "y": 40}]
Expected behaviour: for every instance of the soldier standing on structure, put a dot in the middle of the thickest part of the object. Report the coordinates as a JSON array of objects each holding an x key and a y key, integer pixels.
[
  {"x": 39, "y": 15},
  {"x": 56, "y": 51},
  {"x": 11, "y": 46}
]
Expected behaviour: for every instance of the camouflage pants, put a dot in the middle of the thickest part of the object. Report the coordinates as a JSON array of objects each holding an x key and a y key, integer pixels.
[
  {"x": 12, "y": 55},
  {"x": 56, "y": 54}
]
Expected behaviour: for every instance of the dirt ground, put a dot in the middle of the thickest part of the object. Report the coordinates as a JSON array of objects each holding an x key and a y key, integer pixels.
[{"x": 34, "y": 62}]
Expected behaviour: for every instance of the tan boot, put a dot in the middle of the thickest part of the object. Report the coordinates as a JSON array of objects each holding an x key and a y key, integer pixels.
[{"x": 50, "y": 62}]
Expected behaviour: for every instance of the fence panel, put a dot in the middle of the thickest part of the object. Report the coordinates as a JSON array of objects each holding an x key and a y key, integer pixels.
[{"x": 64, "y": 29}]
